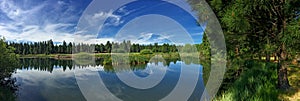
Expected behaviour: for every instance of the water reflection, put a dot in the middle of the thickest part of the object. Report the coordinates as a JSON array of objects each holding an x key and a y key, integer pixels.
[
  {"x": 54, "y": 80},
  {"x": 48, "y": 64}
]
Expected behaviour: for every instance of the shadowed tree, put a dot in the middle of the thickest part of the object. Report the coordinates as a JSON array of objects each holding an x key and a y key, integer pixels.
[
  {"x": 260, "y": 27},
  {"x": 8, "y": 61}
]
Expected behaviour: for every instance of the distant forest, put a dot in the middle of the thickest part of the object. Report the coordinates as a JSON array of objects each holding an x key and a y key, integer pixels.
[{"x": 48, "y": 47}]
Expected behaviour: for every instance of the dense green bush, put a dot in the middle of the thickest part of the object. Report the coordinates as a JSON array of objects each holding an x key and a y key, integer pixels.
[
  {"x": 146, "y": 51},
  {"x": 8, "y": 61}
]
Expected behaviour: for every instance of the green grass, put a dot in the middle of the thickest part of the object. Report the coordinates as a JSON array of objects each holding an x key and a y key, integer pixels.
[
  {"x": 46, "y": 56},
  {"x": 146, "y": 51},
  {"x": 257, "y": 83},
  {"x": 292, "y": 94}
]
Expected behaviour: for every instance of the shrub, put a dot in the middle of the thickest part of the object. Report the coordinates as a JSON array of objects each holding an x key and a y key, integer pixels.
[{"x": 146, "y": 51}]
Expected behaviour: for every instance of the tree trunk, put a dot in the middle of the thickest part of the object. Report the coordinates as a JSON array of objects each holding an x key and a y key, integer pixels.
[
  {"x": 236, "y": 51},
  {"x": 259, "y": 57},
  {"x": 283, "y": 82},
  {"x": 268, "y": 57}
]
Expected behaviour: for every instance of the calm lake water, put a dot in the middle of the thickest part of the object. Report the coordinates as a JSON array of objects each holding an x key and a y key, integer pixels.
[{"x": 58, "y": 80}]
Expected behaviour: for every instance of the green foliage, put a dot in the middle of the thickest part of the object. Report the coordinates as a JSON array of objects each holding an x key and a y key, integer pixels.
[
  {"x": 234, "y": 69},
  {"x": 107, "y": 61},
  {"x": 204, "y": 47},
  {"x": 146, "y": 51},
  {"x": 48, "y": 47},
  {"x": 44, "y": 47},
  {"x": 188, "y": 48},
  {"x": 6, "y": 94},
  {"x": 256, "y": 28},
  {"x": 292, "y": 35},
  {"x": 8, "y": 60},
  {"x": 263, "y": 26}
]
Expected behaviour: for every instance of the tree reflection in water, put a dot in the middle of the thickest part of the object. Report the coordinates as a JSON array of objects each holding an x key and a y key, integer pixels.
[{"x": 49, "y": 65}]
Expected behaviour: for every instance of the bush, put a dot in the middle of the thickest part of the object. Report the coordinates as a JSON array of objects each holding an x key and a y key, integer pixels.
[
  {"x": 146, "y": 51},
  {"x": 8, "y": 61}
]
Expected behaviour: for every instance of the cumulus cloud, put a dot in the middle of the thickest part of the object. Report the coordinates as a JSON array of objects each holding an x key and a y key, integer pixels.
[
  {"x": 145, "y": 36},
  {"x": 19, "y": 13},
  {"x": 27, "y": 20},
  {"x": 112, "y": 19},
  {"x": 38, "y": 21}
]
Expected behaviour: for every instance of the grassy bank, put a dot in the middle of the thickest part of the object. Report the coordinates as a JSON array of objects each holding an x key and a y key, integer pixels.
[
  {"x": 293, "y": 94},
  {"x": 46, "y": 56},
  {"x": 256, "y": 83},
  {"x": 134, "y": 58},
  {"x": 108, "y": 55}
]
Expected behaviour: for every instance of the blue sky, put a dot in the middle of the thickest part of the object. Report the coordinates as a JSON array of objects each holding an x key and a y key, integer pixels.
[{"x": 142, "y": 21}]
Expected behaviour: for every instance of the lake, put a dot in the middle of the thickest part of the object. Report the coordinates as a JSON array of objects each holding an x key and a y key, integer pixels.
[{"x": 63, "y": 80}]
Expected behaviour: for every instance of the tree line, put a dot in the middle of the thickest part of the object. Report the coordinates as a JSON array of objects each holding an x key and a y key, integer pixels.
[
  {"x": 44, "y": 47},
  {"x": 48, "y": 47}
]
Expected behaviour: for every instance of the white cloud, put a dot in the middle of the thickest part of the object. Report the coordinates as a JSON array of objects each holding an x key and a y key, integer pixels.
[
  {"x": 143, "y": 37},
  {"x": 17, "y": 13},
  {"x": 34, "y": 24},
  {"x": 100, "y": 40},
  {"x": 123, "y": 11},
  {"x": 36, "y": 33},
  {"x": 50, "y": 31},
  {"x": 61, "y": 3},
  {"x": 114, "y": 20},
  {"x": 43, "y": 22},
  {"x": 197, "y": 34}
]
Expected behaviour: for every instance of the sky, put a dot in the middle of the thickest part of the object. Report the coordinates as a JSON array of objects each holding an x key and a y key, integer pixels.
[{"x": 142, "y": 21}]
